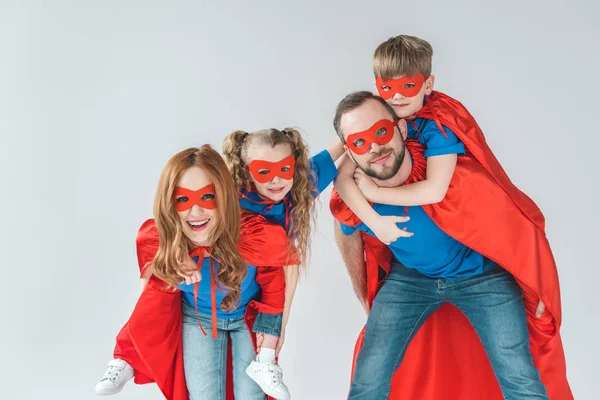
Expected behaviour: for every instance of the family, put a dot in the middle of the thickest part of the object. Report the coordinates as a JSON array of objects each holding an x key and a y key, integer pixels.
[{"x": 448, "y": 257}]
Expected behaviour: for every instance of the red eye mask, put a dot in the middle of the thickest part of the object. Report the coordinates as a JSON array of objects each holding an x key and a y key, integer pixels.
[
  {"x": 264, "y": 171},
  {"x": 186, "y": 198},
  {"x": 381, "y": 133},
  {"x": 388, "y": 88}
]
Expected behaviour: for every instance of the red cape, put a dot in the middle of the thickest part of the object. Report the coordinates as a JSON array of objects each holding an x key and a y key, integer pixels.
[
  {"x": 485, "y": 211},
  {"x": 151, "y": 340}
]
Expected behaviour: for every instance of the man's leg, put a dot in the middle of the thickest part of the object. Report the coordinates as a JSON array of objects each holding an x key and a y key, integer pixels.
[
  {"x": 493, "y": 302},
  {"x": 406, "y": 299}
]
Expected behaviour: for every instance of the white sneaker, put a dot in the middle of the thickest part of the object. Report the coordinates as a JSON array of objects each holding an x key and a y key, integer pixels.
[
  {"x": 116, "y": 376},
  {"x": 269, "y": 377}
]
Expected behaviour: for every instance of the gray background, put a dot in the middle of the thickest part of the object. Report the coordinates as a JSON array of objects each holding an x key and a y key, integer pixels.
[{"x": 96, "y": 96}]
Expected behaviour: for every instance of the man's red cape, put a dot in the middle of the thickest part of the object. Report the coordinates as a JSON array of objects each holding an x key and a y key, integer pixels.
[
  {"x": 151, "y": 340},
  {"x": 485, "y": 211}
]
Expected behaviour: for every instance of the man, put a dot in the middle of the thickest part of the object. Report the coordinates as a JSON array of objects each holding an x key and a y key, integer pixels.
[{"x": 461, "y": 252}]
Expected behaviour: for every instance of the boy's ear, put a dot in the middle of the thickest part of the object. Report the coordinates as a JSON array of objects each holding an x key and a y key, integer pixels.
[{"x": 429, "y": 85}]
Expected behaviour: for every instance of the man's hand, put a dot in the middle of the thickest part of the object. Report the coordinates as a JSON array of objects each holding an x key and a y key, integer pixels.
[
  {"x": 387, "y": 231},
  {"x": 365, "y": 304},
  {"x": 539, "y": 311}
]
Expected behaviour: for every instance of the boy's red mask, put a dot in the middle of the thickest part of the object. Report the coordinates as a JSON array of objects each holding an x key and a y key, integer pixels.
[
  {"x": 408, "y": 86},
  {"x": 265, "y": 171},
  {"x": 186, "y": 198},
  {"x": 381, "y": 133}
]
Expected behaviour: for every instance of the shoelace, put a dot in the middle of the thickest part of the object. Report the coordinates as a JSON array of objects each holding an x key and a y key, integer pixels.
[
  {"x": 114, "y": 374},
  {"x": 276, "y": 376}
]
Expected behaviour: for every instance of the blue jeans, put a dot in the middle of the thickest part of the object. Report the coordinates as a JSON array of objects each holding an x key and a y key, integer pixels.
[
  {"x": 269, "y": 324},
  {"x": 492, "y": 302},
  {"x": 205, "y": 358}
]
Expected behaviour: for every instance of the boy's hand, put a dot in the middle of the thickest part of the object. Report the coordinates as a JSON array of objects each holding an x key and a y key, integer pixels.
[
  {"x": 366, "y": 185},
  {"x": 387, "y": 231}
]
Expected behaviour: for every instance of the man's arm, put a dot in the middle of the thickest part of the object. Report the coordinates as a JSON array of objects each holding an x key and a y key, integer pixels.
[{"x": 353, "y": 253}]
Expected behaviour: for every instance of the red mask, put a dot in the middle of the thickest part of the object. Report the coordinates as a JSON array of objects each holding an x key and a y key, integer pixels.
[
  {"x": 265, "y": 171},
  {"x": 381, "y": 133},
  {"x": 409, "y": 86},
  {"x": 204, "y": 197}
]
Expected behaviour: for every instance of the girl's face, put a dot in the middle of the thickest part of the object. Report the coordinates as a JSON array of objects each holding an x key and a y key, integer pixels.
[
  {"x": 271, "y": 170},
  {"x": 195, "y": 202}
]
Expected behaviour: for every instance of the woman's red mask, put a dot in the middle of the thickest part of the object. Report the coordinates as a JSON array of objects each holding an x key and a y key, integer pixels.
[
  {"x": 381, "y": 133},
  {"x": 204, "y": 197},
  {"x": 265, "y": 171},
  {"x": 408, "y": 86}
]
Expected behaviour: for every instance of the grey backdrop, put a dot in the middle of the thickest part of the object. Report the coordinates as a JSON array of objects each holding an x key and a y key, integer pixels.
[{"x": 95, "y": 96}]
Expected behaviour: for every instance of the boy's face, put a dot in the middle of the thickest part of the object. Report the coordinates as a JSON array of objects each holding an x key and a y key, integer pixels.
[{"x": 399, "y": 92}]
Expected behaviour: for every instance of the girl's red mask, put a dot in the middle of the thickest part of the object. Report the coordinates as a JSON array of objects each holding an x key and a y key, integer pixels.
[
  {"x": 186, "y": 198},
  {"x": 408, "y": 86},
  {"x": 381, "y": 132},
  {"x": 265, "y": 171}
]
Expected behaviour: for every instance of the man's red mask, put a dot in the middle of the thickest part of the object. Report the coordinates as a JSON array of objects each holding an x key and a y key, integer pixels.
[
  {"x": 381, "y": 133},
  {"x": 408, "y": 86},
  {"x": 204, "y": 197},
  {"x": 265, "y": 171}
]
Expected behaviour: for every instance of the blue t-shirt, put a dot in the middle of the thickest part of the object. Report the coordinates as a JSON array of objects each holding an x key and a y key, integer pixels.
[
  {"x": 430, "y": 251},
  {"x": 428, "y": 134},
  {"x": 249, "y": 291},
  {"x": 325, "y": 172}
]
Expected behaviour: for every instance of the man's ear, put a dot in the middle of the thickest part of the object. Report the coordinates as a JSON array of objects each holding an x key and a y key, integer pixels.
[{"x": 349, "y": 154}]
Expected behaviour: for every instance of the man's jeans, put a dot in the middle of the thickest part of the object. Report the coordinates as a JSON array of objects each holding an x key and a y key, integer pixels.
[{"x": 492, "y": 302}]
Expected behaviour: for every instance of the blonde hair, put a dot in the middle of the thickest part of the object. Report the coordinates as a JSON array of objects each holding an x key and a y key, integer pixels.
[
  {"x": 402, "y": 55},
  {"x": 302, "y": 214},
  {"x": 174, "y": 246}
]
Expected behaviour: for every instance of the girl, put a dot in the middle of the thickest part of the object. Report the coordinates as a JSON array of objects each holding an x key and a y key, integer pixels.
[{"x": 277, "y": 180}]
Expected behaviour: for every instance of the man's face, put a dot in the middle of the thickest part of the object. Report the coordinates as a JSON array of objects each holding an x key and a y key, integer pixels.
[{"x": 366, "y": 126}]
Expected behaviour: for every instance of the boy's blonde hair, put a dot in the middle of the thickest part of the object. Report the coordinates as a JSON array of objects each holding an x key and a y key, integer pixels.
[{"x": 402, "y": 55}]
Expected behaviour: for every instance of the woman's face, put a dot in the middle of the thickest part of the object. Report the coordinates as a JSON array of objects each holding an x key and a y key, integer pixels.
[
  {"x": 195, "y": 202},
  {"x": 275, "y": 164}
]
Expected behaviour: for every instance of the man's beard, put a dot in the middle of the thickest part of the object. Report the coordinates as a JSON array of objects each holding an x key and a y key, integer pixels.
[{"x": 386, "y": 172}]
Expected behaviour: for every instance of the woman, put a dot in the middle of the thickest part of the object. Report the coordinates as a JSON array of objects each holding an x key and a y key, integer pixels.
[{"x": 197, "y": 215}]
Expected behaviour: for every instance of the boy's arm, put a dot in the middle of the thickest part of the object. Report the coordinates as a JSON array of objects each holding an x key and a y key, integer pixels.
[
  {"x": 336, "y": 149},
  {"x": 350, "y": 192},
  {"x": 384, "y": 227},
  {"x": 429, "y": 191}
]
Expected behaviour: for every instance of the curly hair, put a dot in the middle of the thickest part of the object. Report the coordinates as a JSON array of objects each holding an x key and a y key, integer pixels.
[{"x": 302, "y": 214}]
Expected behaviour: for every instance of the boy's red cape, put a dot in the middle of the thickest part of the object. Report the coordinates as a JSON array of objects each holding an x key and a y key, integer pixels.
[
  {"x": 485, "y": 211},
  {"x": 151, "y": 340}
]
